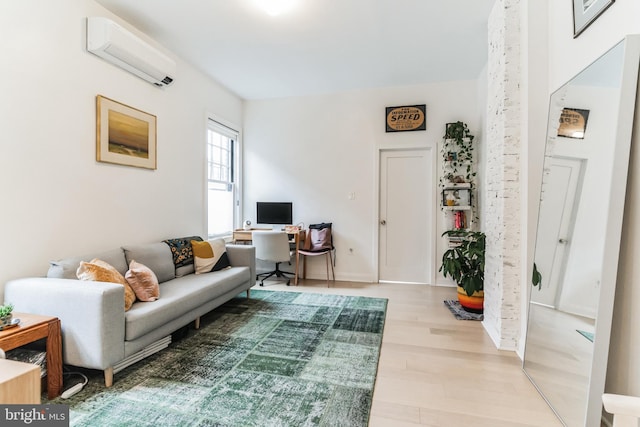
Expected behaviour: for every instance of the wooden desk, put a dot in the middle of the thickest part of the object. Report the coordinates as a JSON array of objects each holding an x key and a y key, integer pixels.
[
  {"x": 240, "y": 235},
  {"x": 19, "y": 383},
  {"x": 33, "y": 327}
]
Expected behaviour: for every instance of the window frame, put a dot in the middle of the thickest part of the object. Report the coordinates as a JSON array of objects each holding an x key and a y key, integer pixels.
[{"x": 231, "y": 131}]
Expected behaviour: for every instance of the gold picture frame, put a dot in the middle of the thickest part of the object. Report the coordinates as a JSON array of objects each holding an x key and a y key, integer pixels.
[{"x": 125, "y": 135}]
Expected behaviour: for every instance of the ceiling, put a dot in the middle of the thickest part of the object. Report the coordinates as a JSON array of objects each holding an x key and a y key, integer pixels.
[{"x": 320, "y": 46}]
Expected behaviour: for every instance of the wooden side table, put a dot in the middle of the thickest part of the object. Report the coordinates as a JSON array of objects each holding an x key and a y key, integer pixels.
[
  {"x": 33, "y": 327},
  {"x": 19, "y": 383}
]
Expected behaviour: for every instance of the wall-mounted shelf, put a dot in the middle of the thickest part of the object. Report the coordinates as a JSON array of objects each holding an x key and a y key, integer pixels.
[
  {"x": 450, "y": 185},
  {"x": 457, "y": 198},
  {"x": 456, "y": 208}
]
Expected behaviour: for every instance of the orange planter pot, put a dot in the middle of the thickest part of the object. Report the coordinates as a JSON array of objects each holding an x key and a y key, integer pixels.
[{"x": 473, "y": 303}]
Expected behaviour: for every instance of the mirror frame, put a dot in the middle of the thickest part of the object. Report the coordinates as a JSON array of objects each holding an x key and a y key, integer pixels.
[{"x": 622, "y": 144}]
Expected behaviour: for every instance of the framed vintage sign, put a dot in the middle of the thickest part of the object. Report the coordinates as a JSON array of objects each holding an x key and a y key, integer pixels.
[
  {"x": 587, "y": 11},
  {"x": 406, "y": 118},
  {"x": 125, "y": 135},
  {"x": 573, "y": 123}
]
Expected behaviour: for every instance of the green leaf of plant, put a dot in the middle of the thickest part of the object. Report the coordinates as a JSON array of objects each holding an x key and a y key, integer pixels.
[{"x": 536, "y": 278}]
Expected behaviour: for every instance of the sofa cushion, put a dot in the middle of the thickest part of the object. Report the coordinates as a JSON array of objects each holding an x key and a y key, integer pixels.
[
  {"x": 185, "y": 269},
  {"x": 66, "y": 268},
  {"x": 179, "y": 296},
  {"x": 181, "y": 250},
  {"x": 156, "y": 256},
  {"x": 210, "y": 255},
  {"x": 100, "y": 271},
  {"x": 143, "y": 281}
]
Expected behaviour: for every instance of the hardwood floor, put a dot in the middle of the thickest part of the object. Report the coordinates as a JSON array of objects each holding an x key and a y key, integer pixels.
[{"x": 437, "y": 371}]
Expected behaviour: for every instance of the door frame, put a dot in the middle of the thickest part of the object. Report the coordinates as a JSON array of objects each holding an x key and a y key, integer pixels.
[
  {"x": 434, "y": 203},
  {"x": 557, "y": 270}
]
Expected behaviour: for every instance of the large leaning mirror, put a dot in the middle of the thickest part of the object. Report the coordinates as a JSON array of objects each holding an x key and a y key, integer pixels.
[{"x": 578, "y": 235}]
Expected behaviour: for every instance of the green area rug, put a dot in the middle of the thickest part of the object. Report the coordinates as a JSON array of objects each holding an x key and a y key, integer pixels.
[{"x": 277, "y": 359}]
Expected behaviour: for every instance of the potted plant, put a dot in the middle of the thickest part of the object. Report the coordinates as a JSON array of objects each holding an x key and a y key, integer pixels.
[
  {"x": 464, "y": 262},
  {"x": 5, "y": 315},
  {"x": 457, "y": 152}
]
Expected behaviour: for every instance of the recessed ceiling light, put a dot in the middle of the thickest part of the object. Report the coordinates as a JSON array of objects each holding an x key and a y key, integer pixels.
[{"x": 275, "y": 7}]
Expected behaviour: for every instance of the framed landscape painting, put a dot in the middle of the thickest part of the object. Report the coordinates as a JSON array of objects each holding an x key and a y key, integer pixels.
[
  {"x": 125, "y": 135},
  {"x": 585, "y": 12}
]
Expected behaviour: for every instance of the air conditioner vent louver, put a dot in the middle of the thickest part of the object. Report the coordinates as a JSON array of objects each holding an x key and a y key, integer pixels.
[{"x": 119, "y": 46}]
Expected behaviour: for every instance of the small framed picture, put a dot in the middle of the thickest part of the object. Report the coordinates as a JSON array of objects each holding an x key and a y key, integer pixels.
[
  {"x": 573, "y": 123},
  {"x": 125, "y": 135},
  {"x": 587, "y": 11},
  {"x": 449, "y": 130},
  {"x": 456, "y": 197},
  {"x": 406, "y": 118}
]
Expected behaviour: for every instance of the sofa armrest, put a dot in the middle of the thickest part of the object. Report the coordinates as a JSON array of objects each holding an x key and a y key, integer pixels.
[
  {"x": 243, "y": 255},
  {"x": 91, "y": 316}
]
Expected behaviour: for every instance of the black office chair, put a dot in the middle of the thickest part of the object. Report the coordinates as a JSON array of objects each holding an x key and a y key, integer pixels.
[{"x": 272, "y": 246}]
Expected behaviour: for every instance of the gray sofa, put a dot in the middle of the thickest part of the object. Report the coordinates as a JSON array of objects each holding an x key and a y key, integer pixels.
[{"x": 96, "y": 331}]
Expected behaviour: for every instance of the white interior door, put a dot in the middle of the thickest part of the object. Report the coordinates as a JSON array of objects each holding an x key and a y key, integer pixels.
[
  {"x": 561, "y": 188},
  {"x": 406, "y": 214}
]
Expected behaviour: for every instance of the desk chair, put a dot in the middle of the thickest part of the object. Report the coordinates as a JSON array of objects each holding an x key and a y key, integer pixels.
[
  {"x": 272, "y": 246},
  {"x": 318, "y": 242},
  {"x": 625, "y": 409}
]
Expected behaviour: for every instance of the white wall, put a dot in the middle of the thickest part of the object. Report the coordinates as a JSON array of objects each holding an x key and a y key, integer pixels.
[
  {"x": 57, "y": 200},
  {"x": 316, "y": 150},
  {"x": 567, "y": 56}
]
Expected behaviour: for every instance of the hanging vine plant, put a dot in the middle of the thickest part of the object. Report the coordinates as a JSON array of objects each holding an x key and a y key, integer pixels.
[{"x": 457, "y": 152}]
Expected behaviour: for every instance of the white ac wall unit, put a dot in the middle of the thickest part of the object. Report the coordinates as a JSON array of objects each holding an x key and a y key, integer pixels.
[{"x": 119, "y": 46}]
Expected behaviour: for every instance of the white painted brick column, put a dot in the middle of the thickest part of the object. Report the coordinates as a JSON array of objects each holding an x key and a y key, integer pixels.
[{"x": 502, "y": 215}]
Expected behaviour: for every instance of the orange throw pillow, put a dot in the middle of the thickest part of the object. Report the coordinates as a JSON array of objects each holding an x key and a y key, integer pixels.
[{"x": 100, "y": 271}]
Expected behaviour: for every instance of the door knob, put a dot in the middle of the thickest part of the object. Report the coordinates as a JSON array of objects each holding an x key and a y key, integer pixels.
[{"x": 383, "y": 222}]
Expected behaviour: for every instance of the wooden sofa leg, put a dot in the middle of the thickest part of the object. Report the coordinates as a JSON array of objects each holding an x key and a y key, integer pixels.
[
  {"x": 108, "y": 376},
  {"x": 248, "y": 293},
  {"x": 196, "y": 323}
]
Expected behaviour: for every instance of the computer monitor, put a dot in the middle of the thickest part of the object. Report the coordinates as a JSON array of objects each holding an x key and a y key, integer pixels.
[{"x": 277, "y": 213}]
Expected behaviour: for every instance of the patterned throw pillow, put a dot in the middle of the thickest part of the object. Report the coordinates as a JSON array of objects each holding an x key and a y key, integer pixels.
[
  {"x": 143, "y": 281},
  {"x": 210, "y": 255},
  {"x": 100, "y": 271},
  {"x": 181, "y": 250}
]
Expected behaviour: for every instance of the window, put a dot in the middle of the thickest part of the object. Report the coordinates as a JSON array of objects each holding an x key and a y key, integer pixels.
[{"x": 222, "y": 172}]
